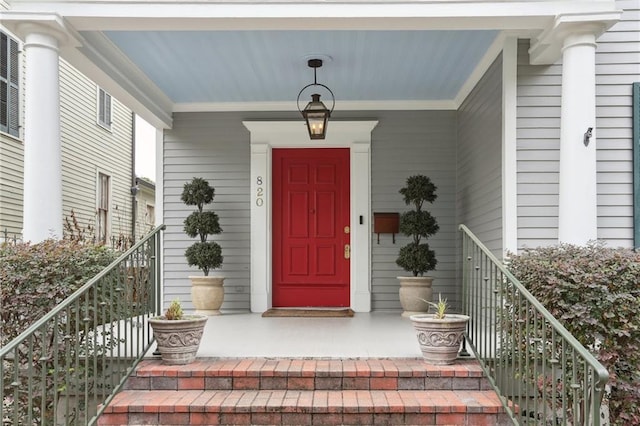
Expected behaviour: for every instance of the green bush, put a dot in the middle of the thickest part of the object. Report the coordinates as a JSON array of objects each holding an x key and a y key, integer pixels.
[
  {"x": 37, "y": 277},
  {"x": 595, "y": 292}
]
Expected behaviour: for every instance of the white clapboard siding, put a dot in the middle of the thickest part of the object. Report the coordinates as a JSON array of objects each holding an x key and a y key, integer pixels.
[
  {"x": 11, "y": 182},
  {"x": 11, "y": 174},
  {"x": 403, "y": 144},
  {"x": 88, "y": 148},
  {"x": 479, "y": 192}
]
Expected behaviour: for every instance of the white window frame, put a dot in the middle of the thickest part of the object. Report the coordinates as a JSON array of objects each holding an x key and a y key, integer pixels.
[
  {"x": 100, "y": 207},
  {"x": 12, "y": 81},
  {"x": 104, "y": 109},
  {"x": 149, "y": 219}
]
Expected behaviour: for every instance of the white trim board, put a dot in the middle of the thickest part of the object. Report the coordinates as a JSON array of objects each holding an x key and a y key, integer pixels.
[{"x": 266, "y": 135}]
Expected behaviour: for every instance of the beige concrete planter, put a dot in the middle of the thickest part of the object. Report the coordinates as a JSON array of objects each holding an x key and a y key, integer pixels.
[
  {"x": 207, "y": 294},
  {"x": 178, "y": 340},
  {"x": 440, "y": 339},
  {"x": 413, "y": 292}
]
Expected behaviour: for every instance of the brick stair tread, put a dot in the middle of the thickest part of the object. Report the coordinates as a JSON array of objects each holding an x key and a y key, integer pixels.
[
  {"x": 301, "y": 401},
  {"x": 266, "y": 367},
  {"x": 298, "y": 374}
]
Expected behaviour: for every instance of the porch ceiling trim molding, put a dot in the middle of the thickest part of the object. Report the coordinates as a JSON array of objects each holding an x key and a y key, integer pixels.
[
  {"x": 313, "y": 14},
  {"x": 291, "y": 106},
  {"x": 266, "y": 135}
]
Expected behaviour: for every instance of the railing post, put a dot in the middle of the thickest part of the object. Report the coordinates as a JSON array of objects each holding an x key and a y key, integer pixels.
[
  {"x": 465, "y": 278},
  {"x": 157, "y": 267},
  {"x": 158, "y": 274}
]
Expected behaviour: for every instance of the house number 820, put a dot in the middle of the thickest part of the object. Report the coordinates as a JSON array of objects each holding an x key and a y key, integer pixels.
[{"x": 259, "y": 192}]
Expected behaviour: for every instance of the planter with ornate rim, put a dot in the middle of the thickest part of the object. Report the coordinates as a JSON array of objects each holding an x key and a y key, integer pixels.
[
  {"x": 440, "y": 339},
  {"x": 178, "y": 340}
]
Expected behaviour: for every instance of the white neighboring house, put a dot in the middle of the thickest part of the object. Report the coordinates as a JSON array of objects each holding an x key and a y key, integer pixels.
[
  {"x": 145, "y": 208},
  {"x": 95, "y": 150},
  {"x": 521, "y": 112}
]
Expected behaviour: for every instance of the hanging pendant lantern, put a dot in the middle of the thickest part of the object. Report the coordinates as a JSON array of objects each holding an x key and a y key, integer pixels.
[{"x": 316, "y": 114}]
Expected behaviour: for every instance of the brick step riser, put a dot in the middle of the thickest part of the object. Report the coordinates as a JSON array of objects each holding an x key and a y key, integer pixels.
[
  {"x": 475, "y": 419},
  {"x": 305, "y": 383},
  {"x": 293, "y": 391}
]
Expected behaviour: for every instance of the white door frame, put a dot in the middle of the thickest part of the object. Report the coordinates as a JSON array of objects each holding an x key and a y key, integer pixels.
[{"x": 266, "y": 135}]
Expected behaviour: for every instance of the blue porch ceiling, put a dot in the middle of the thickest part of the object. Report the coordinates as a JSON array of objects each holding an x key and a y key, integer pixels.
[{"x": 270, "y": 66}]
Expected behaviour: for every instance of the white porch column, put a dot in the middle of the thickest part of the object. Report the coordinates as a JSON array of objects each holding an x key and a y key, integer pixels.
[
  {"x": 42, "y": 154},
  {"x": 577, "y": 217}
]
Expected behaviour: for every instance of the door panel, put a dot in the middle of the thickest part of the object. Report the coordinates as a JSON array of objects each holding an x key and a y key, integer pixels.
[{"x": 310, "y": 213}]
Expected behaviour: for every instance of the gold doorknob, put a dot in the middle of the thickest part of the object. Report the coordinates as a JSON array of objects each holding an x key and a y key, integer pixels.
[{"x": 347, "y": 251}]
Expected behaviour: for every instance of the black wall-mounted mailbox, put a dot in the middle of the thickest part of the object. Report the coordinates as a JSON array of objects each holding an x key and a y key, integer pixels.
[{"x": 386, "y": 223}]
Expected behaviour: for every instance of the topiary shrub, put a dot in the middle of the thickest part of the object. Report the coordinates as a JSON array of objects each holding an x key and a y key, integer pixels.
[
  {"x": 416, "y": 257},
  {"x": 595, "y": 292},
  {"x": 206, "y": 255}
]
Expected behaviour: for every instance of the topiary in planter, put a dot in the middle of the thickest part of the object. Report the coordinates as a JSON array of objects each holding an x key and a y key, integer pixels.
[
  {"x": 416, "y": 257},
  {"x": 207, "y": 293},
  {"x": 206, "y": 255}
]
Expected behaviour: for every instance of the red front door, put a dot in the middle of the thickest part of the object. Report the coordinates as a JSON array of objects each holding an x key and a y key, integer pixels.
[{"x": 311, "y": 227}]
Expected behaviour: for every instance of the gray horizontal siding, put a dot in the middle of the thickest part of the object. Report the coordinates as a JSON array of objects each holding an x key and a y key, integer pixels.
[
  {"x": 617, "y": 67},
  {"x": 479, "y": 166},
  {"x": 539, "y": 102},
  {"x": 406, "y": 143},
  {"x": 216, "y": 146},
  {"x": 538, "y": 141}
]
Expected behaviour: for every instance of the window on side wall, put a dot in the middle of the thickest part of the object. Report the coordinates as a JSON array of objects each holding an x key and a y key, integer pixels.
[
  {"x": 9, "y": 86},
  {"x": 104, "y": 109},
  {"x": 151, "y": 215},
  {"x": 104, "y": 199}
]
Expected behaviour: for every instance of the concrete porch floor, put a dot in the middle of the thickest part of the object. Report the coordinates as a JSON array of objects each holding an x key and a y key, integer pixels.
[{"x": 365, "y": 335}]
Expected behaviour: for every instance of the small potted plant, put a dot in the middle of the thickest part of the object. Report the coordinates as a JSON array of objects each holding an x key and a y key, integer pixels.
[
  {"x": 417, "y": 257},
  {"x": 177, "y": 335},
  {"x": 207, "y": 292},
  {"x": 439, "y": 334}
]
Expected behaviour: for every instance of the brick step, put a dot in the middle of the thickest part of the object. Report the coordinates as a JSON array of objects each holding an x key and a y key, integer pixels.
[
  {"x": 308, "y": 374},
  {"x": 301, "y": 407}
]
